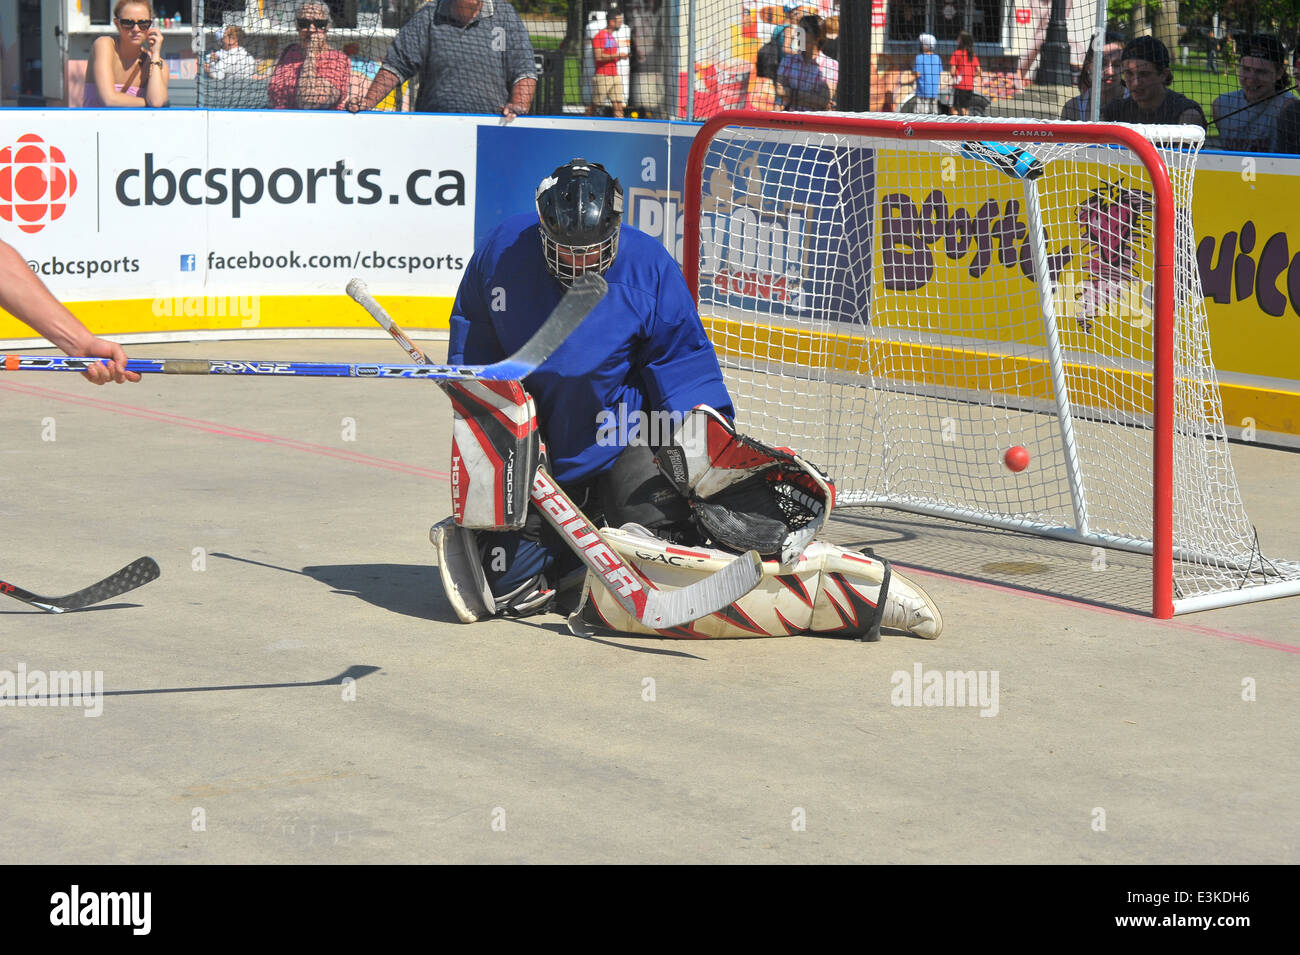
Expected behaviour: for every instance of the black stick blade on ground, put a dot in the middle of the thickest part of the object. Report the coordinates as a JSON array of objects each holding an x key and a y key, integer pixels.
[{"x": 135, "y": 574}]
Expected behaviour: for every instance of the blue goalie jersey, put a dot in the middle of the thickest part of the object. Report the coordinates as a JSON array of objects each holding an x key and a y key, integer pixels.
[{"x": 642, "y": 349}]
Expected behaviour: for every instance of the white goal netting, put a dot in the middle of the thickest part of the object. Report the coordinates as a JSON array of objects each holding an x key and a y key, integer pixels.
[{"x": 906, "y": 309}]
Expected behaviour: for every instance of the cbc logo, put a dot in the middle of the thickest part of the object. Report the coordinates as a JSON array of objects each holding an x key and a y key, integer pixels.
[{"x": 35, "y": 183}]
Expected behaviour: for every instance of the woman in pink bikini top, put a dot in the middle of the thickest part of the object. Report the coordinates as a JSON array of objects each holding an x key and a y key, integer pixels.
[{"x": 129, "y": 70}]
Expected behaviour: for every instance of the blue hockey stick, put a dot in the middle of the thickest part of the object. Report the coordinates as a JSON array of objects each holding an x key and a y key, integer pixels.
[{"x": 573, "y": 309}]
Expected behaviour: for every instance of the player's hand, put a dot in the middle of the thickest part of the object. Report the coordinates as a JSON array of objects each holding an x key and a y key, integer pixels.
[
  {"x": 102, "y": 374},
  {"x": 153, "y": 42}
]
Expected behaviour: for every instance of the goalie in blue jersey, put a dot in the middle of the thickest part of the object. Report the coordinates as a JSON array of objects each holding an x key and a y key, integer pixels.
[{"x": 636, "y": 420}]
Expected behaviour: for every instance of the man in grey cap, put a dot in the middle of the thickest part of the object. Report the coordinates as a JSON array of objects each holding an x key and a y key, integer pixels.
[{"x": 1147, "y": 75}]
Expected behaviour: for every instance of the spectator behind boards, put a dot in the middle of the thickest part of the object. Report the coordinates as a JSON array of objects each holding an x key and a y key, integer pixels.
[
  {"x": 926, "y": 70},
  {"x": 807, "y": 79},
  {"x": 965, "y": 67},
  {"x": 607, "y": 85},
  {"x": 472, "y": 56},
  {"x": 1147, "y": 77},
  {"x": 232, "y": 60},
  {"x": 1248, "y": 118},
  {"x": 128, "y": 71},
  {"x": 1079, "y": 108},
  {"x": 310, "y": 73}
]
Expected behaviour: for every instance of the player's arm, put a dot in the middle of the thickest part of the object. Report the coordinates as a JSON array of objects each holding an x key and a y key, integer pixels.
[
  {"x": 25, "y": 297},
  {"x": 472, "y": 339}
]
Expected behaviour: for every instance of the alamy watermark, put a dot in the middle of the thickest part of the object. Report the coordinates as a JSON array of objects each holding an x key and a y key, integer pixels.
[
  {"x": 946, "y": 688},
  {"x": 247, "y": 308},
  {"x": 129, "y": 909},
  {"x": 83, "y": 688},
  {"x": 621, "y": 428}
]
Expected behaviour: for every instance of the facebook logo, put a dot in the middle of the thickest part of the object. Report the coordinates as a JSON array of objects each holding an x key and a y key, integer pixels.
[{"x": 187, "y": 262}]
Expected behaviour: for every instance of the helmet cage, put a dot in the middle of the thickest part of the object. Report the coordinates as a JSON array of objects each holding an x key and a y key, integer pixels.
[
  {"x": 580, "y": 208},
  {"x": 567, "y": 262}
]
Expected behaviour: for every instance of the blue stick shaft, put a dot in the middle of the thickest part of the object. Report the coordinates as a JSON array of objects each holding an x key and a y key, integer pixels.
[{"x": 502, "y": 371}]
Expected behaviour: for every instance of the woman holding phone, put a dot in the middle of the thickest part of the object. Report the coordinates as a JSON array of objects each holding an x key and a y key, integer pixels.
[{"x": 128, "y": 70}]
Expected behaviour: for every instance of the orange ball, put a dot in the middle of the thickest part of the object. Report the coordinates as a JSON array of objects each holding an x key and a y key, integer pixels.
[{"x": 1016, "y": 458}]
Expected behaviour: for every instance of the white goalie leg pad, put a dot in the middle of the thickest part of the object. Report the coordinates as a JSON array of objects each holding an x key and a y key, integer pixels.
[
  {"x": 827, "y": 590},
  {"x": 908, "y": 607},
  {"x": 463, "y": 579}
]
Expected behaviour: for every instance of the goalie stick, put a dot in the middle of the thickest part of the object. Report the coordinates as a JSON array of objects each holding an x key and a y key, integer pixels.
[
  {"x": 567, "y": 317},
  {"x": 655, "y": 608},
  {"x": 133, "y": 575}
]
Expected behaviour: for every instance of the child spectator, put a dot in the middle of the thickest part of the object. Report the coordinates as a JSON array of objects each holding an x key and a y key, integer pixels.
[
  {"x": 927, "y": 68},
  {"x": 965, "y": 67},
  {"x": 232, "y": 60}
]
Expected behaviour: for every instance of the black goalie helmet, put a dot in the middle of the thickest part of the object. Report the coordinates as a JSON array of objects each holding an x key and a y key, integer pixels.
[{"x": 580, "y": 206}]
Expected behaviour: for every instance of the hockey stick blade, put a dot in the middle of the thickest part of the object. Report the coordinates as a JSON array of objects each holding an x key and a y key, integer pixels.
[
  {"x": 1015, "y": 161},
  {"x": 655, "y": 608},
  {"x": 583, "y": 296},
  {"x": 135, "y": 574}
]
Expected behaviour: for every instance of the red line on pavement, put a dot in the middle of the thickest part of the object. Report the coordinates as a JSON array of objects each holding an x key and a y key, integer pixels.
[
  {"x": 1130, "y": 615},
  {"x": 213, "y": 427}
]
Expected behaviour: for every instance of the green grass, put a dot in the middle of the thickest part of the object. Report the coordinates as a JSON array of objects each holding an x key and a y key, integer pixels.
[{"x": 572, "y": 68}]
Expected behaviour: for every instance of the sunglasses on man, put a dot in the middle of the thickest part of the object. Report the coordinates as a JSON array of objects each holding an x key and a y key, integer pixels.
[
  {"x": 142, "y": 24},
  {"x": 304, "y": 24}
]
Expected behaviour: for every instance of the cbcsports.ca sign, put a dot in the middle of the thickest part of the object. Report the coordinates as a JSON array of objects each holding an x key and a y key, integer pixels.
[
  {"x": 35, "y": 183},
  {"x": 143, "y": 204}
]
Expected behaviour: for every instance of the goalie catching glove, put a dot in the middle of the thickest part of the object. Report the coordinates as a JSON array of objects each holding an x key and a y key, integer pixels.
[
  {"x": 744, "y": 494},
  {"x": 827, "y": 590}
]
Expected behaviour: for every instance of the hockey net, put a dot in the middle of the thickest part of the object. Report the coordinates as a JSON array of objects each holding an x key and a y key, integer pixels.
[{"x": 906, "y": 300}]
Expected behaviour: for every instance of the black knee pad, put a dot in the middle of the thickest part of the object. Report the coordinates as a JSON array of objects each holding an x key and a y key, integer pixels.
[{"x": 634, "y": 491}]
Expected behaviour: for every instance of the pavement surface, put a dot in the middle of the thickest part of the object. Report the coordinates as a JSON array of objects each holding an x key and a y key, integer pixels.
[{"x": 295, "y": 688}]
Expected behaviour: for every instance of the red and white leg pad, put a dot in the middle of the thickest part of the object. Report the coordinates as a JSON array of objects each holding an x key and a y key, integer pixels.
[
  {"x": 828, "y": 590},
  {"x": 495, "y": 450}
]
